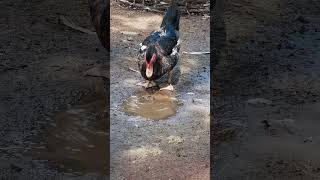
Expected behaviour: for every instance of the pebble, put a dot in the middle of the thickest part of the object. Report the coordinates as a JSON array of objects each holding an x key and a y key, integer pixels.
[{"x": 129, "y": 33}]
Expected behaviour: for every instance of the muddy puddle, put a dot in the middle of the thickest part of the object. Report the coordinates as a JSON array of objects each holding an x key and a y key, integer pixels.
[
  {"x": 77, "y": 140},
  {"x": 157, "y": 105}
]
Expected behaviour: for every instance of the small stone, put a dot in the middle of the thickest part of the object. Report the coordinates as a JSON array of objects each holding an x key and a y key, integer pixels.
[
  {"x": 196, "y": 101},
  {"x": 129, "y": 33},
  {"x": 309, "y": 139},
  {"x": 91, "y": 146}
]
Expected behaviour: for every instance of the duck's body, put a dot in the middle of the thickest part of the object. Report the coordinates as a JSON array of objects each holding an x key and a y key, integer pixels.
[
  {"x": 100, "y": 15},
  {"x": 159, "y": 52}
]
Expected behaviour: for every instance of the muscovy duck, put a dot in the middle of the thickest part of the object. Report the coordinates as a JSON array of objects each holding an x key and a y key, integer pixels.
[
  {"x": 159, "y": 52},
  {"x": 100, "y": 15}
]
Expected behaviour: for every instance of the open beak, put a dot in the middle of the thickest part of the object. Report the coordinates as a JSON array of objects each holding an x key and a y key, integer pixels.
[{"x": 149, "y": 70}]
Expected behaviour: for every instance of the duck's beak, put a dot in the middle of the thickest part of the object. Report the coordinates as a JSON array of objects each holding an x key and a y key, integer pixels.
[{"x": 149, "y": 70}]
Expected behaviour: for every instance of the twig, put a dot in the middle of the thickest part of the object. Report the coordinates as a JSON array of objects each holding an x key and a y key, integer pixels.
[
  {"x": 186, "y": 8},
  {"x": 163, "y": 3},
  {"x": 131, "y": 69},
  {"x": 140, "y": 6},
  {"x": 198, "y": 10},
  {"x": 196, "y": 53},
  {"x": 154, "y": 10},
  {"x": 72, "y": 25}
]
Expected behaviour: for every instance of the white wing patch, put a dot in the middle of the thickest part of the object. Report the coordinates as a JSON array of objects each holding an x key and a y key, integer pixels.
[
  {"x": 143, "y": 47},
  {"x": 179, "y": 41},
  {"x": 176, "y": 48},
  {"x": 163, "y": 32},
  {"x": 174, "y": 52}
]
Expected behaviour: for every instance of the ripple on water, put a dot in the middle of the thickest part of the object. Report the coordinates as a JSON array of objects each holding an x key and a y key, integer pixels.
[{"x": 152, "y": 106}]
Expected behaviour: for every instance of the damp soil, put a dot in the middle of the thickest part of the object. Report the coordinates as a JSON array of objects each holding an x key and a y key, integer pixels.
[
  {"x": 76, "y": 140},
  {"x": 266, "y": 93}
]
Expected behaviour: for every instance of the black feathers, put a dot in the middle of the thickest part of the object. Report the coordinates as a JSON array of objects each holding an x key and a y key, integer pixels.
[
  {"x": 162, "y": 43},
  {"x": 150, "y": 51},
  {"x": 100, "y": 12},
  {"x": 172, "y": 16}
]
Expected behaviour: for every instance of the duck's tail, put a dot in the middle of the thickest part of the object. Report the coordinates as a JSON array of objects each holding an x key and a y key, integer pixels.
[{"x": 172, "y": 16}]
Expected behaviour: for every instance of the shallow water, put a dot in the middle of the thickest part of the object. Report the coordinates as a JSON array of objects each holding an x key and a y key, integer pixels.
[
  {"x": 77, "y": 140},
  {"x": 153, "y": 106}
]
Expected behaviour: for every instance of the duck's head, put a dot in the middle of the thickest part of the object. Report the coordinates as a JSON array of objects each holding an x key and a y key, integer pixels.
[{"x": 150, "y": 58}]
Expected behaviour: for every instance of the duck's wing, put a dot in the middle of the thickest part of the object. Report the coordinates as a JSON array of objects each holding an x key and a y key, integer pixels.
[
  {"x": 168, "y": 40},
  {"x": 168, "y": 62},
  {"x": 166, "y": 46}
]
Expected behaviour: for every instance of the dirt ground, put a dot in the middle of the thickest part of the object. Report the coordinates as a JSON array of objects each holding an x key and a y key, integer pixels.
[
  {"x": 42, "y": 63},
  {"x": 49, "y": 110},
  {"x": 174, "y": 148},
  {"x": 266, "y": 90}
]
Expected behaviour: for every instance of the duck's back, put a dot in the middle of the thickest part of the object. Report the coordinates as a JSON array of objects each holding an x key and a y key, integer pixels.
[
  {"x": 166, "y": 39},
  {"x": 152, "y": 39}
]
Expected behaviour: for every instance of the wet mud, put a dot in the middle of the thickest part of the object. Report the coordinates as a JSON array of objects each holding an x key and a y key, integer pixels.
[
  {"x": 76, "y": 140},
  {"x": 42, "y": 76}
]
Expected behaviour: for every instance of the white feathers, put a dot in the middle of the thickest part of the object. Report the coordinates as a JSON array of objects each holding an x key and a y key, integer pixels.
[
  {"x": 174, "y": 52},
  {"x": 163, "y": 32},
  {"x": 143, "y": 47},
  {"x": 176, "y": 48},
  {"x": 179, "y": 41}
]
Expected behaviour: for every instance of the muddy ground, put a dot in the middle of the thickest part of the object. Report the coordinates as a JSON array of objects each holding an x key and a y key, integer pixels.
[
  {"x": 52, "y": 116},
  {"x": 42, "y": 62},
  {"x": 267, "y": 90},
  {"x": 173, "y": 148},
  {"x": 265, "y": 98}
]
